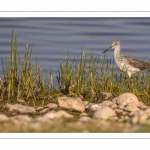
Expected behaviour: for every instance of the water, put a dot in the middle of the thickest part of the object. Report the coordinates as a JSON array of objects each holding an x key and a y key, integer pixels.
[{"x": 53, "y": 37}]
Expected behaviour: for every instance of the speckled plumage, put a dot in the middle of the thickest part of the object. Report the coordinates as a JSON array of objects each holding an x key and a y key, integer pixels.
[{"x": 125, "y": 63}]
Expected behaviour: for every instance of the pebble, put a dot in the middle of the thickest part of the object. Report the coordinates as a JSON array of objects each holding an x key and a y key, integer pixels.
[
  {"x": 3, "y": 118},
  {"x": 71, "y": 103},
  {"x": 128, "y": 99},
  {"x": 119, "y": 111},
  {"x": 131, "y": 108},
  {"x": 124, "y": 109},
  {"x": 107, "y": 103},
  {"x": 113, "y": 106},
  {"x": 43, "y": 111},
  {"x": 57, "y": 115},
  {"x": 139, "y": 118},
  {"x": 83, "y": 114},
  {"x": 95, "y": 107},
  {"x": 85, "y": 103},
  {"x": 51, "y": 106},
  {"x": 22, "y": 118},
  {"x": 20, "y": 108},
  {"x": 121, "y": 106},
  {"x": 104, "y": 113},
  {"x": 39, "y": 108},
  {"x": 85, "y": 119},
  {"x": 147, "y": 111}
]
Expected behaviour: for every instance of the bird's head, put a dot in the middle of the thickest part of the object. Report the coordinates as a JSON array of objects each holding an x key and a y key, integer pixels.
[{"x": 113, "y": 45}]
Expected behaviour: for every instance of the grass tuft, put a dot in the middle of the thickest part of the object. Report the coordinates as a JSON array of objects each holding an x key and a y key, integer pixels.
[{"x": 84, "y": 76}]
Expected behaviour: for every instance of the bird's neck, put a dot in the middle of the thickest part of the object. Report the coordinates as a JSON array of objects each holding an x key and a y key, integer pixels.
[{"x": 117, "y": 51}]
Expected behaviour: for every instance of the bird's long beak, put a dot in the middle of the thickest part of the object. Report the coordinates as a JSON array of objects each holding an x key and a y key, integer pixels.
[{"x": 107, "y": 49}]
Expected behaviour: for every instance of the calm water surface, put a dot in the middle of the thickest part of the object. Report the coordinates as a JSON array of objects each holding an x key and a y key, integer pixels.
[{"x": 53, "y": 37}]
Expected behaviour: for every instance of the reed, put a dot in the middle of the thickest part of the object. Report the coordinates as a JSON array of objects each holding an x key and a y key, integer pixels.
[
  {"x": 23, "y": 79},
  {"x": 84, "y": 76},
  {"x": 90, "y": 78}
]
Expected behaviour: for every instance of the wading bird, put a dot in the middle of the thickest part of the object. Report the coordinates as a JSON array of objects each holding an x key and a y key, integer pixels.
[{"x": 125, "y": 63}]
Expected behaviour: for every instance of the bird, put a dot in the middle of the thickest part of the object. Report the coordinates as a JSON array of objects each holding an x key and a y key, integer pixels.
[{"x": 126, "y": 63}]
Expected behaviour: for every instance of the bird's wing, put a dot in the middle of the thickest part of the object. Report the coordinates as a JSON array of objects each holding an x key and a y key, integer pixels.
[{"x": 137, "y": 63}]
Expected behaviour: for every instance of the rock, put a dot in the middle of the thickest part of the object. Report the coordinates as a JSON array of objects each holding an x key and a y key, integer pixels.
[
  {"x": 42, "y": 119},
  {"x": 57, "y": 115},
  {"x": 139, "y": 118},
  {"x": 95, "y": 107},
  {"x": 131, "y": 108},
  {"x": 147, "y": 111},
  {"x": 35, "y": 126},
  {"x": 25, "y": 118},
  {"x": 104, "y": 113},
  {"x": 143, "y": 117},
  {"x": 142, "y": 105},
  {"x": 39, "y": 108},
  {"x": 20, "y": 109},
  {"x": 128, "y": 99},
  {"x": 71, "y": 103},
  {"x": 107, "y": 103},
  {"x": 131, "y": 114},
  {"x": 119, "y": 111},
  {"x": 3, "y": 118},
  {"x": 135, "y": 120},
  {"x": 106, "y": 96},
  {"x": 113, "y": 106},
  {"x": 85, "y": 119},
  {"x": 83, "y": 114},
  {"x": 51, "y": 106},
  {"x": 19, "y": 121},
  {"x": 124, "y": 113},
  {"x": 85, "y": 103},
  {"x": 114, "y": 100},
  {"x": 44, "y": 111},
  {"x": 120, "y": 106},
  {"x": 114, "y": 118}
]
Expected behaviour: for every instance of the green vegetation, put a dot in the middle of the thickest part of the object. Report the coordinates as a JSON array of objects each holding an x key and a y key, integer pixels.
[{"x": 24, "y": 79}]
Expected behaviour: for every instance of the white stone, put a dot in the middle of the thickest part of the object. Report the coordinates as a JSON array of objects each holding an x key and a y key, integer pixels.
[
  {"x": 57, "y": 115},
  {"x": 85, "y": 119},
  {"x": 147, "y": 111},
  {"x": 107, "y": 103},
  {"x": 85, "y": 103},
  {"x": 71, "y": 103},
  {"x": 24, "y": 118},
  {"x": 135, "y": 119},
  {"x": 83, "y": 114},
  {"x": 119, "y": 111},
  {"x": 128, "y": 99},
  {"x": 44, "y": 111},
  {"x": 20, "y": 108},
  {"x": 113, "y": 106},
  {"x": 139, "y": 117},
  {"x": 131, "y": 108},
  {"x": 120, "y": 106},
  {"x": 51, "y": 106},
  {"x": 104, "y": 113},
  {"x": 39, "y": 108},
  {"x": 3, "y": 118},
  {"x": 95, "y": 107}
]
